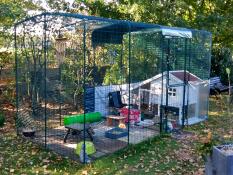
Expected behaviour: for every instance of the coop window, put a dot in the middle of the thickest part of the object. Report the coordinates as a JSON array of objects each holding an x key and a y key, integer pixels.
[{"x": 172, "y": 92}]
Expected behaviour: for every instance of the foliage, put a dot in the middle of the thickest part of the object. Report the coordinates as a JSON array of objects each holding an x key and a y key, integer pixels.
[
  {"x": 8, "y": 92},
  {"x": 2, "y": 119},
  {"x": 71, "y": 79},
  {"x": 5, "y": 59},
  {"x": 207, "y": 142},
  {"x": 11, "y": 11},
  {"x": 221, "y": 59},
  {"x": 214, "y": 16}
]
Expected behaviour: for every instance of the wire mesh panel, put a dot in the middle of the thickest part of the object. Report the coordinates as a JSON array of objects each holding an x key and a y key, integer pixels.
[
  {"x": 63, "y": 65},
  {"x": 200, "y": 54},
  {"x": 145, "y": 90},
  {"x": 107, "y": 56},
  {"x": 175, "y": 80},
  {"x": 185, "y": 70},
  {"x": 89, "y": 86},
  {"x": 31, "y": 73}
]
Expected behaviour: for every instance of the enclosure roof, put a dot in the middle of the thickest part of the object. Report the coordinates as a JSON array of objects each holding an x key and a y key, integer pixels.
[
  {"x": 113, "y": 30},
  {"x": 108, "y": 34},
  {"x": 181, "y": 75}
]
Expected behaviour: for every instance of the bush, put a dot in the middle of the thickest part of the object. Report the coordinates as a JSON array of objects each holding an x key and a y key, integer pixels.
[
  {"x": 2, "y": 119},
  {"x": 207, "y": 141},
  {"x": 221, "y": 59}
]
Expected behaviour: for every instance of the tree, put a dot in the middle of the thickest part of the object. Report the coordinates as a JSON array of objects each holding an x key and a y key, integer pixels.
[
  {"x": 11, "y": 11},
  {"x": 215, "y": 16}
]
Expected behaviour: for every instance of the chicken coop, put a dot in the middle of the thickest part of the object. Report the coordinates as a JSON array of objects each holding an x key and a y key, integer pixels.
[{"x": 88, "y": 86}]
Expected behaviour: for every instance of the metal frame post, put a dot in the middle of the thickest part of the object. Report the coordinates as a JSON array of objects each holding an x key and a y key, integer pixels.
[
  {"x": 45, "y": 77},
  {"x": 16, "y": 78},
  {"x": 211, "y": 46},
  {"x": 121, "y": 63},
  {"x": 84, "y": 88},
  {"x": 189, "y": 65},
  {"x": 60, "y": 85},
  {"x": 161, "y": 104},
  {"x": 129, "y": 80},
  {"x": 167, "y": 83},
  {"x": 184, "y": 85}
]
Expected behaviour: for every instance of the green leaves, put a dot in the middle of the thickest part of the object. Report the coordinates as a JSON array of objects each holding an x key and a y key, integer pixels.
[
  {"x": 12, "y": 11},
  {"x": 221, "y": 60}
]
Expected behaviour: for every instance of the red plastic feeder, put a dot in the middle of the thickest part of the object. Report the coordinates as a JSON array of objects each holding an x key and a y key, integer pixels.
[{"x": 134, "y": 114}]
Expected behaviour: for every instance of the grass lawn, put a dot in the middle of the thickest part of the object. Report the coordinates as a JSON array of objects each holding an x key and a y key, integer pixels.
[{"x": 162, "y": 155}]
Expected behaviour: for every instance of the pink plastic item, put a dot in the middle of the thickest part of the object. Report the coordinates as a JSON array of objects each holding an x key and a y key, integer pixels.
[{"x": 133, "y": 114}]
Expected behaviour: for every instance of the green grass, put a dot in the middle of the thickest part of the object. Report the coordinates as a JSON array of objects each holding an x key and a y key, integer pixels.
[
  {"x": 23, "y": 157},
  {"x": 219, "y": 122},
  {"x": 161, "y": 155}
]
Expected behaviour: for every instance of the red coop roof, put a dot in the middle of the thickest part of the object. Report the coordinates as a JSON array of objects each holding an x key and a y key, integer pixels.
[{"x": 181, "y": 75}]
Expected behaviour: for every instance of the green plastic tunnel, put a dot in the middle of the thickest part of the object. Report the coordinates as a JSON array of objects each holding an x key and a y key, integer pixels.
[{"x": 90, "y": 118}]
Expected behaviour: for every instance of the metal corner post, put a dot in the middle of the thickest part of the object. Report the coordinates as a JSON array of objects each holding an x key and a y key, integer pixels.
[
  {"x": 45, "y": 81},
  {"x": 185, "y": 83},
  {"x": 211, "y": 46},
  {"x": 16, "y": 79},
  {"x": 167, "y": 82},
  {"x": 161, "y": 70},
  {"x": 189, "y": 70},
  {"x": 129, "y": 80},
  {"x": 60, "y": 85},
  {"x": 84, "y": 89}
]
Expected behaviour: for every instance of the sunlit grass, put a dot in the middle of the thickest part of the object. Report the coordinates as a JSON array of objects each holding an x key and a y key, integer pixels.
[{"x": 214, "y": 114}]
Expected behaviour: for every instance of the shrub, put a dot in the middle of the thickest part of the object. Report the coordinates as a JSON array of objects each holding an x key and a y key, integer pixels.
[
  {"x": 221, "y": 59},
  {"x": 2, "y": 119},
  {"x": 207, "y": 141}
]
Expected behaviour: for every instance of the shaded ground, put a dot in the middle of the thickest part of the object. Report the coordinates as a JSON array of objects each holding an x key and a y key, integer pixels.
[{"x": 175, "y": 154}]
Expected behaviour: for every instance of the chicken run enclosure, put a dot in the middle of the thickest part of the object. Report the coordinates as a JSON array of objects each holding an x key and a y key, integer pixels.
[{"x": 89, "y": 85}]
